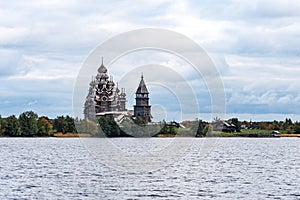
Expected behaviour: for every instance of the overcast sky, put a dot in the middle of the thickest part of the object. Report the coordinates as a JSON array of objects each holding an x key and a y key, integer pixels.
[{"x": 254, "y": 45}]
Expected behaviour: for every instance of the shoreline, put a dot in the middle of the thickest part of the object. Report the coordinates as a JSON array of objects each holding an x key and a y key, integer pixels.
[
  {"x": 85, "y": 135},
  {"x": 257, "y": 135}
]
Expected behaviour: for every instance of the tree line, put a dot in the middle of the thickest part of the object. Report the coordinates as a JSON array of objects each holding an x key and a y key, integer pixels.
[
  {"x": 287, "y": 125},
  {"x": 29, "y": 124}
]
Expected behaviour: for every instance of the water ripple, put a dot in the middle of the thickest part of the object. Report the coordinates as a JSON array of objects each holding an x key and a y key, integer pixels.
[{"x": 237, "y": 168}]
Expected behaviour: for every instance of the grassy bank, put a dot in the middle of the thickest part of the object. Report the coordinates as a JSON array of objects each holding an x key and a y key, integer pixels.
[
  {"x": 248, "y": 133},
  {"x": 67, "y": 135},
  {"x": 289, "y": 135}
]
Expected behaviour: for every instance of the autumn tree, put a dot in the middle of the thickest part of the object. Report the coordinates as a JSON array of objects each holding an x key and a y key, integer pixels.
[
  {"x": 262, "y": 125},
  {"x": 44, "y": 126},
  {"x": 208, "y": 129}
]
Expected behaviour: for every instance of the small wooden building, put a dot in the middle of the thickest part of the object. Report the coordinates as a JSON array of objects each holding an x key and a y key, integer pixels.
[{"x": 224, "y": 126}]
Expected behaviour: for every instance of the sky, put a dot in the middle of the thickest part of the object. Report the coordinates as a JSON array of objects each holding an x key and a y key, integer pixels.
[{"x": 253, "y": 44}]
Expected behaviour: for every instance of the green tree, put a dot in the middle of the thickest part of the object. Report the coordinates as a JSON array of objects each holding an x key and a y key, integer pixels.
[
  {"x": 115, "y": 130},
  {"x": 104, "y": 126},
  {"x": 200, "y": 130},
  {"x": 64, "y": 124},
  {"x": 297, "y": 127},
  {"x": 276, "y": 125},
  {"x": 237, "y": 124},
  {"x": 12, "y": 127},
  {"x": 28, "y": 123},
  {"x": 70, "y": 124},
  {"x": 164, "y": 128},
  {"x": 109, "y": 127},
  {"x": 2, "y": 125},
  {"x": 172, "y": 130},
  {"x": 287, "y": 126},
  {"x": 289, "y": 122},
  {"x": 60, "y": 124}
]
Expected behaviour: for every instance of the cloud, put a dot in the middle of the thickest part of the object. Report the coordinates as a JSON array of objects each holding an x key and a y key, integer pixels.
[
  {"x": 254, "y": 45},
  {"x": 262, "y": 84},
  {"x": 10, "y": 62}
]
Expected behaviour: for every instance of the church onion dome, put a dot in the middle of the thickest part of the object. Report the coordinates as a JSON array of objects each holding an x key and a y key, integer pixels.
[
  {"x": 105, "y": 76},
  {"x": 142, "y": 89},
  {"x": 102, "y": 69},
  {"x": 111, "y": 83},
  {"x": 92, "y": 83}
]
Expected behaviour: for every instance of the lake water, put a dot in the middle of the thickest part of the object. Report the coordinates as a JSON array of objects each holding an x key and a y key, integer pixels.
[{"x": 155, "y": 168}]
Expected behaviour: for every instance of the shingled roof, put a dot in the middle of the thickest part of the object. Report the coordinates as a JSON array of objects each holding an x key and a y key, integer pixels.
[{"x": 142, "y": 89}]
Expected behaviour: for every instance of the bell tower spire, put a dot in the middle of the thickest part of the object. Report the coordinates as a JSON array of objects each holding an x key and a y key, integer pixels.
[{"x": 142, "y": 109}]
